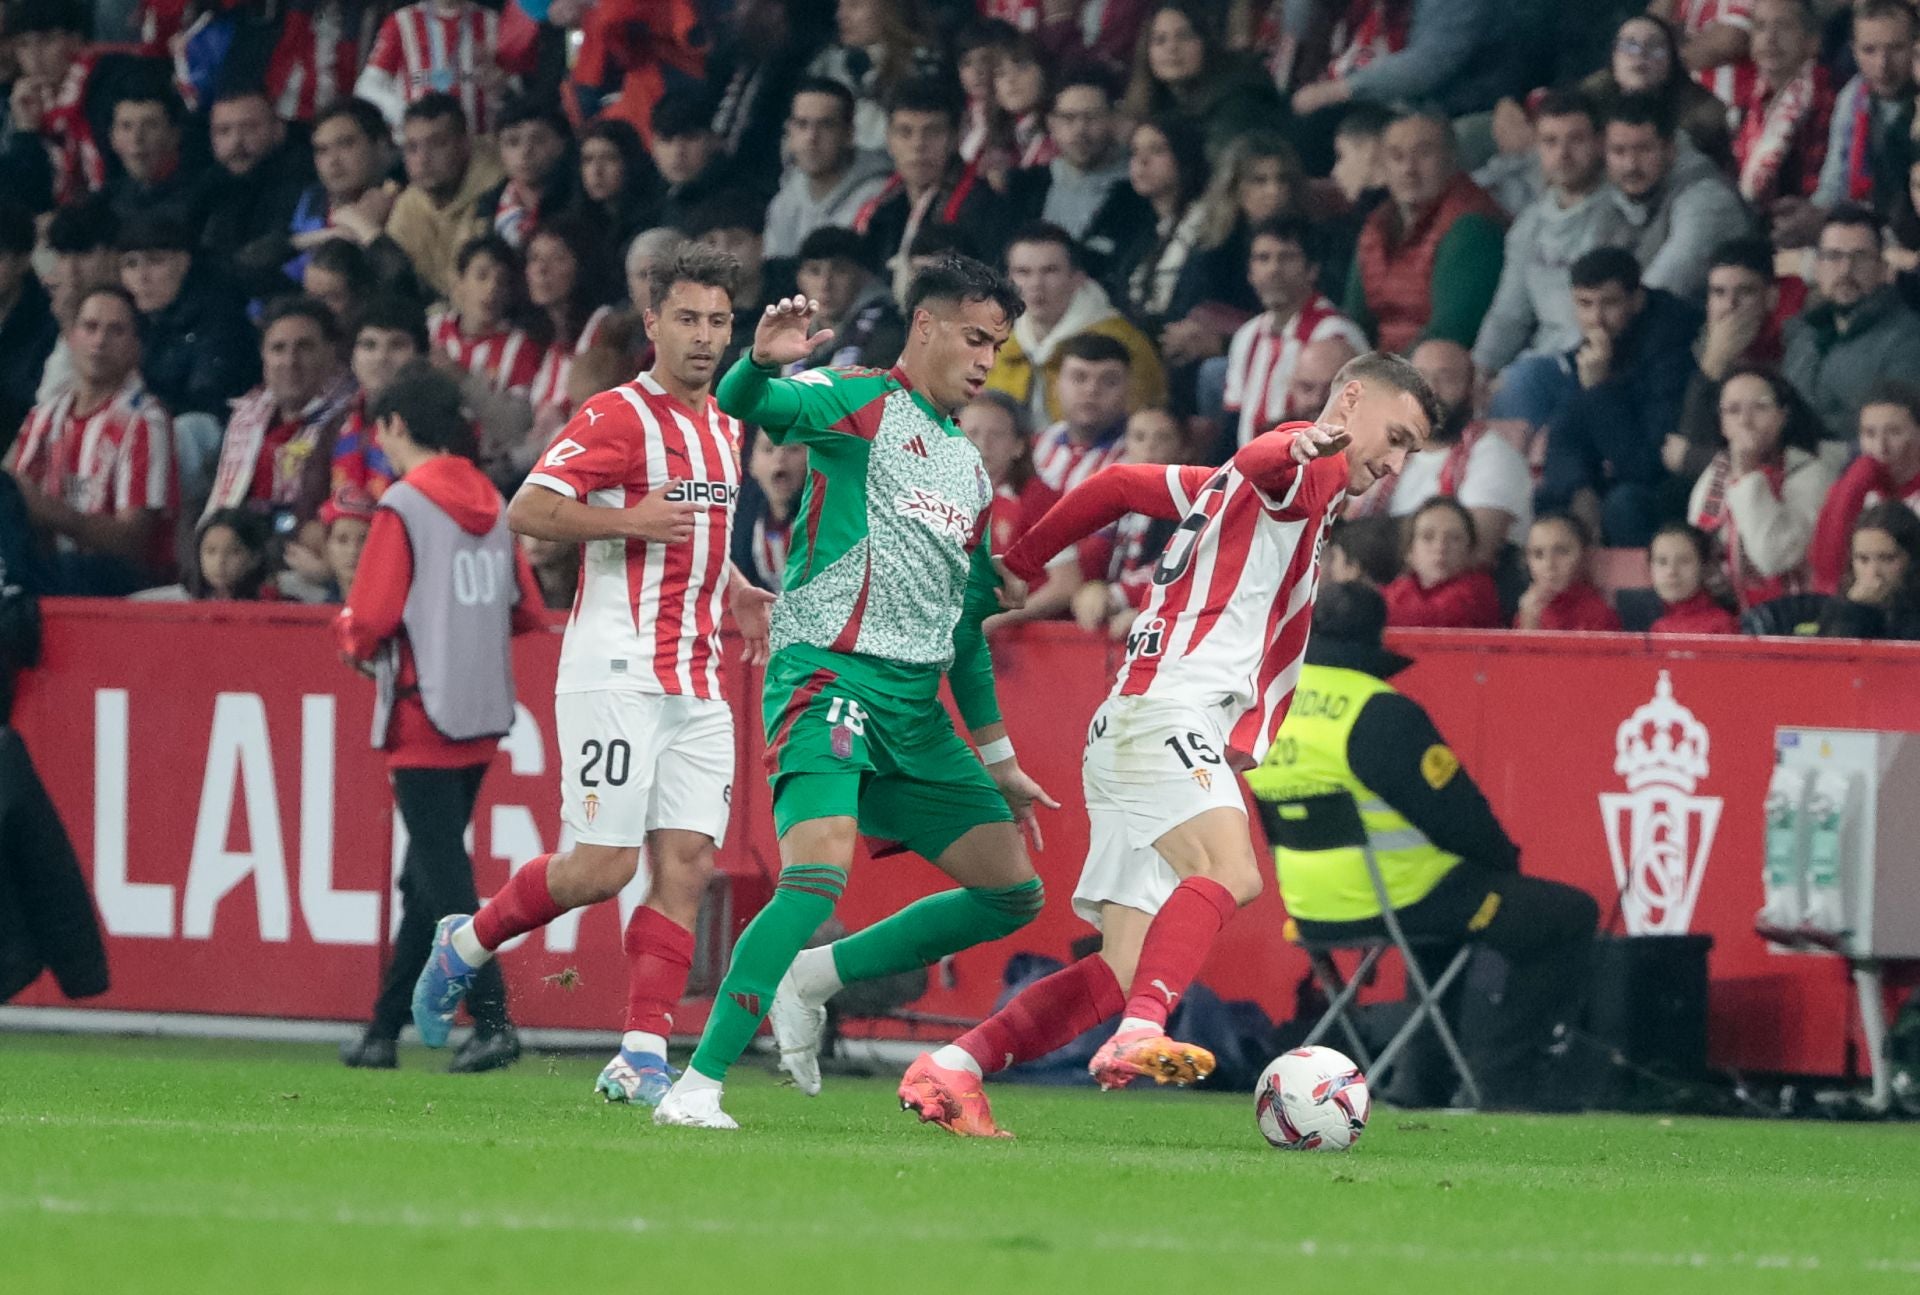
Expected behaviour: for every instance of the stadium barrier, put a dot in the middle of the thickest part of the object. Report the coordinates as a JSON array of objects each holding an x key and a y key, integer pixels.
[{"x": 212, "y": 766}]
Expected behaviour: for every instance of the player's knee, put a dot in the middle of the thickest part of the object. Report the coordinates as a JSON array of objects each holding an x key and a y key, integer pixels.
[
  {"x": 1011, "y": 907},
  {"x": 603, "y": 871},
  {"x": 1242, "y": 880}
]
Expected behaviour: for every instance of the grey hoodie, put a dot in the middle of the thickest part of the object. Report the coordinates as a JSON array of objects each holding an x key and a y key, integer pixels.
[
  {"x": 1694, "y": 211},
  {"x": 1532, "y": 309},
  {"x": 793, "y": 213}
]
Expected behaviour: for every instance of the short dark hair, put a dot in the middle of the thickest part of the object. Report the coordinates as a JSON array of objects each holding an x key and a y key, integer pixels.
[
  {"x": 87, "y": 226},
  {"x": 1850, "y": 214},
  {"x": 1643, "y": 109},
  {"x": 693, "y": 263},
  {"x": 832, "y": 89},
  {"x": 1581, "y": 532},
  {"x": 837, "y": 243},
  {"x": 1604, "y": 265},
  {"x": 300, "y": 306},
  {"x": 927, "y": 94},
  {"x": 1702, "y": 545},
  {"x": 1364, "y": 121},
  {"x": 1084, "y": 76},
  {"x": 16, "y": 230},
  {"x": 984, "y": 33},
  {"x": 1442, "y": 504},
  {"x": 681, "y": 112},
  {"x": 938, "y": 238},
  {"x": 1288, "y": 229},
  {"x": 728, "y": 209},
  {"x": 42, "y": 16},
  {"x": 1095, "y": 348},
  {"x": 1568, "y": 101},
  {"x": 428, "y": 401},
  {"x": 239, "y": 92},
  {"x": 1046, "y": 232},
  {"x": 1801, "y": 428},
  {"x": 366, "y": 118},
  {"x": 154, "y": 231},
  {"x": 491, "y": 246},
  {"x": 436, "y": 105},
  {"x": 392, "y": 313},
  {"x": 154, "y": 90},
  {"x": 961, "y": 279},
  {"x": 1754, "y": 254},
  {"x": 1895, "y": 391},
  {"x": 1395, "y": 371},
  {"x": 1369, "y": 546},
  {"x": 119, "y": 294},
  {"x": 519, "y": 109}
]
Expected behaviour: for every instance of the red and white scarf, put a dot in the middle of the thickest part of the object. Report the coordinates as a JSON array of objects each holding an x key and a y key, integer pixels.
[
  {"x": 1769, "y": 129},
  {"x": 1377, "y": 501},
  {"x": 1369, "y": 30},
  {"x": 1750, "y": 587},
  {"x": 254, "y": 414}
]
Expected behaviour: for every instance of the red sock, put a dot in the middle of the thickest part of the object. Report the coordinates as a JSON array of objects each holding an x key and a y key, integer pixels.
[
  {"x": 1047, "y": 1014},
  {"x": 659, "y": 956},
  {"x": 1176, "y": 945},
  {"x": 523, "y": 904}
]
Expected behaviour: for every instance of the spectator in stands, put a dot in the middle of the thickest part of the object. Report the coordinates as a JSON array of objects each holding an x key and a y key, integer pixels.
[
  {"x": 1167, "y": 169},
  {"x": 1119, "y": 565},
  {"x": 763, "y": 519},
  {"x": 233, "y": 560},
  {"x": 618, "y": 185},
  {"x": 277, "y": 456},
  {"x": 352, "y": 154},
  {"x": 1559, "y": 595},
  {"x": 828, "y": 180},
  {"x": 1443, "y": 586},
  {"x": 1759, "y": 500},
  {"x": 1742, "y": 328},
  {"x": 1362, "y": 553},
  {"x": 1888, "y": 470},
  {"x": 1019, "y": 119},
  {"x": 1716, "y": 38},
  {"x": 1000, "y": 429},
  {"x": 95, "y": 464},
  {"x": 153, "y": 177},
  {"x": 478, "y": 333},
  {"x": 58, "y": 95},
  {"x": 1903, "y": 241},
  {"x": 340, "y": 275},
  {"x": 1092, "y": 393},
  {"x": 81, "y": 239},
  {"x": 1294, "y": 315},
  {"x": 260, "y": 178},
  {"x": 686, "y": 153},
  {"x": 1532, "y": 309},
  {"x": 1465, "y": 461},
  {"x": 1678, "y": 559},
  {"x": 1313, "y": 374},
  {"x": 837, "y": 270},
  {"x": 1084, "y": 189},
  {"x": 1646, "y": 60},
  {"x": 1428, "y": 260},
  {"x": 27, "y": 327},
  {"x": 929, "y": 182},
  {"x": 388, "y": 334},
  {"x": 538, "y": 184},
  {"x": 1880, "y": 596},
  {"x": 556, "y": 566},
  {"x": 1787, "y": 108},
  {"x": 1181, "y": 67},
  {"x": 1399, "y": 53},
  {"x": 977, "y": 50},
  {"x": 1672, "y": 194},
  {"x": 1869, "y": 115},
  {"x": 646, "y": 251},
  {"x": 877, "y": 53},
  {"x": 434, "y": 215},
  {"x": 733, "y": 221},
  {"x": 1858, "y": 332},
  {"x": 1622, "y": 395},
  {"x": 438, "y": 47},
  {"x": 346, "y": 517},
  {"x": 752, "y": 73},
  {"x": 1258, "y": 180},
  {"x": 1063, "y": 304},
  {"x": 569, "y": 289}
]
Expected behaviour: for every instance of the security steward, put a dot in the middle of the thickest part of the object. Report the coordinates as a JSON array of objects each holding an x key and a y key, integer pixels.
[
  {"x": 1450, "y": 869},
  {"x": 441, "y": 589}
]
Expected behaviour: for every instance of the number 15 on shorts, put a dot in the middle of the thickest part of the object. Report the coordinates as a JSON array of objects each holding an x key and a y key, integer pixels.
[{"x": 848, "y": 720}]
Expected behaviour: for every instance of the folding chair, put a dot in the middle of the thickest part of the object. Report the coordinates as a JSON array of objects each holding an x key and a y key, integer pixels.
[{"x": 1331, "y": 821}]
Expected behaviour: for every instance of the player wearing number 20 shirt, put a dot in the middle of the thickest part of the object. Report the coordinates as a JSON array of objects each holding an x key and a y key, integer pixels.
[{"x": 644, "y": 478}]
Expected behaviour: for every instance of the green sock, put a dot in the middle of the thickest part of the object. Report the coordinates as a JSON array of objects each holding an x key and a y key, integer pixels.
[
  {"x": 801, "y": 902},
  {"x": 922, "y": 933}
]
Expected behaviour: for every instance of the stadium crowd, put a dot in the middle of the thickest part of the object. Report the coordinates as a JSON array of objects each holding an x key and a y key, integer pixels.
[{"x": 1661, "y": 261}]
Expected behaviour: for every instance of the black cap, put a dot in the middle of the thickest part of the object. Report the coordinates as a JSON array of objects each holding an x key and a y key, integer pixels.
[{"x": 1349, "y": 624}]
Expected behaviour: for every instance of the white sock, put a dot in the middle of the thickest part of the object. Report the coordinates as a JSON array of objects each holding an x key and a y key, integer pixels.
[
  {"x": 641, "y": 1041},
  {"x": 955, "y": 1057},
  {"x": 1135, "y": 1023},
  {"x": 468, "y": 946},
  {"x": 692, "y": 1081},
  {"x": 815, "y": 976}
]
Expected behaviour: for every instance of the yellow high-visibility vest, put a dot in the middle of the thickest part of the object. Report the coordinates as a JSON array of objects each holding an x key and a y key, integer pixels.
[{"x": 1309, "y": 757}]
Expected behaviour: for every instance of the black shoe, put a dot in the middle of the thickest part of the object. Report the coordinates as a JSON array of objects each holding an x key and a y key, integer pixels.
[
  {"x": 485, "y": 1052},
  {"x": 369, "y": 1053}
]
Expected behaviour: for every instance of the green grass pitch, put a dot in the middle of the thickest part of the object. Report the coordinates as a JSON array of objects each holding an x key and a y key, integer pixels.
[{"x": 140, "y": 1165}]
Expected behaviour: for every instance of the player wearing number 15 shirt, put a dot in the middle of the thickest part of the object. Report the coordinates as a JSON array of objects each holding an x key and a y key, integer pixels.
[
  {"x": 644, "y": 478},
  {"x": 1209, "y": 673}
]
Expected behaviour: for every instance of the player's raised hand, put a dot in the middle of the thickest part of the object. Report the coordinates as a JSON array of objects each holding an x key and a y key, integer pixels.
[
  {"x": 1022, "y": 795},
  {"x": 1318, "y": 442},
  {"x": 660, "y": 520},
  {"x": 1013, "y": 590},
  {"x": 783, "y": 337},
  {"x": 752, "y": 609}
]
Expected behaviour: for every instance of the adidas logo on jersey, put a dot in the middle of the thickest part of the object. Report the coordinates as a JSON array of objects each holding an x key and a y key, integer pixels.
[{"x": 717, "y": 493}]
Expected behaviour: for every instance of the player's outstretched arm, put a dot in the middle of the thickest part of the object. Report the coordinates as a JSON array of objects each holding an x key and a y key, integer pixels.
[
  {"x": 1098, "y": 502},
  {"x": 750, "y": 390},
  {"x": 547, "y": 514}
]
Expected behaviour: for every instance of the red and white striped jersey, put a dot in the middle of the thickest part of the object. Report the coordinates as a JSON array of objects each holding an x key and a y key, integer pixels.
[
  {"x": 117, "y": 456},
  {"x": 549, "y": 386},
  {"x": 429, "y": 47},
  {"x": 1225, "y": 623},
  {"x": 506, "y": 357},
  {"x": 1062, "y": 463},
  {"x": 647, "y": 616},
  {"x": 1261, "y": 357},
  {"x": 1732, "y": 82},
  {"x": 313, "y": 63}
]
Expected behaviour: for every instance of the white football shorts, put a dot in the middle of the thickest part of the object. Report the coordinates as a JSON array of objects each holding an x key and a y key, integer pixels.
[{"x": 631, "y": 762}]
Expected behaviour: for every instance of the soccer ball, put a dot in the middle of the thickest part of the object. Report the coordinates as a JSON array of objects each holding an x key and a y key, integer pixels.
[{"x": 1312, "y": 1099}]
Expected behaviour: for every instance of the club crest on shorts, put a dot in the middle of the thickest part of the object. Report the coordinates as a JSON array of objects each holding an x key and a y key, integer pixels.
[
  {"x": 1204, "y": 777},
  {"x": 842, "y": 737},
  {"x": 590, "y": 806}
]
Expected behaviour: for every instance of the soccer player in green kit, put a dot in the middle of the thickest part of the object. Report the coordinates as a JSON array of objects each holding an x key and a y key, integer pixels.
[{"x": 887, "y": 582}]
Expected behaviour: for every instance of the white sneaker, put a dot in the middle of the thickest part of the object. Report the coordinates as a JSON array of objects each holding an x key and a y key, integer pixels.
[
  {"x": 699, "y": 1109},
  {"x": 798, "y": 1028}
]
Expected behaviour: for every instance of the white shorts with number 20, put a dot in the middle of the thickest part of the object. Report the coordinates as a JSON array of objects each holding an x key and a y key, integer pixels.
[
  {"x": 1150, "y": 765},
  {"x": 634, "y": 761}
]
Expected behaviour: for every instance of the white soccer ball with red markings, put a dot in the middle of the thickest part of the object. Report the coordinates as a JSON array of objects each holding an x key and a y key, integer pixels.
[{"x": 1312, "y": 1099}]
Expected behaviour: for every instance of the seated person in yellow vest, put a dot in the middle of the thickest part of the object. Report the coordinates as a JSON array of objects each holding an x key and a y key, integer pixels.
[{"x": 1450, "y": 868}]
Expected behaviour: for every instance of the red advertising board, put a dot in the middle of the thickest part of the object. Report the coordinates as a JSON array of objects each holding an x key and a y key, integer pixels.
[{"x": 213, "y": 769}]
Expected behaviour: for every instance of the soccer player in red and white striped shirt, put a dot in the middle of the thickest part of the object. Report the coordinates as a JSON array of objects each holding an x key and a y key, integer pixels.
[
  {"x": 452, "y": 46},
  {"x": 95, "y": 463},
  {"x": 644, "y": 477},
  {"x": 1210, "y": 669},
  {"x": 1262, "y": 355}
]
